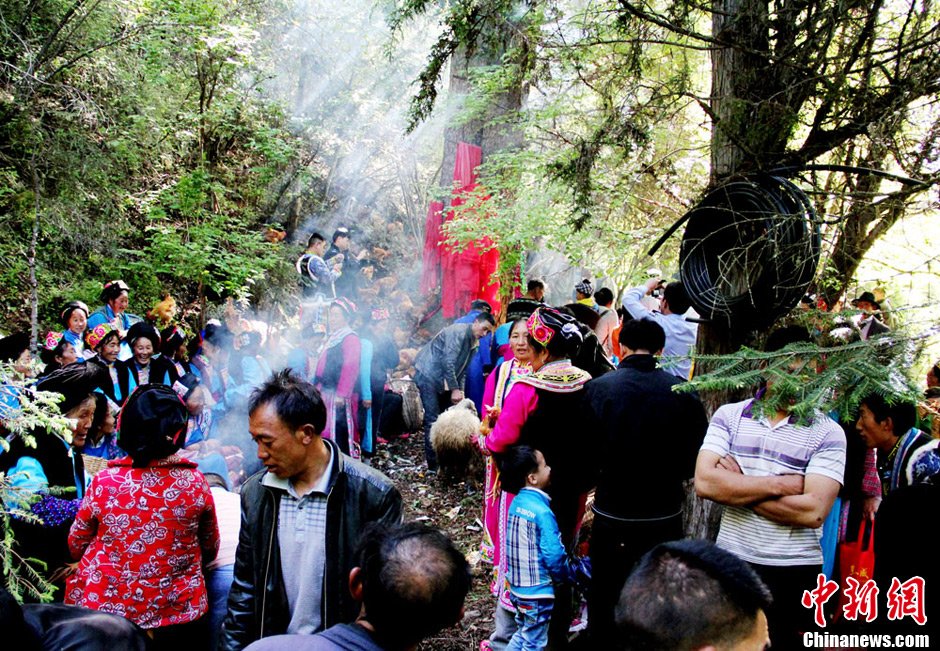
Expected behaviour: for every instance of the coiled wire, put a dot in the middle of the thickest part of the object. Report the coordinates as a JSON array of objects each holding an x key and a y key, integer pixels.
[{"x": 750, "y": 250}]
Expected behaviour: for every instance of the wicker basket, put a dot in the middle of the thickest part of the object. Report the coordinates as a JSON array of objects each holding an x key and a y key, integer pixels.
[
  {"x": 412, "y": 409},
  {"x": 93, "y": 465}
]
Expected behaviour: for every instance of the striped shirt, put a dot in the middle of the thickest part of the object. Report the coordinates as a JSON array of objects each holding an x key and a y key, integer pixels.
[
  {"x": 764, "y": 450},
  {"x": 301, "y": 537}
]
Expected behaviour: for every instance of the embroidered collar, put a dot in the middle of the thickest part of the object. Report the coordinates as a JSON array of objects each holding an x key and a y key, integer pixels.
[
  {"x": 558, "y": 377},
  {"x": 337, "y": 337}
]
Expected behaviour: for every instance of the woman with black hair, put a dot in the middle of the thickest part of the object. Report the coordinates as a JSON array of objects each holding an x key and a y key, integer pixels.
[
  {"x": 147, "y": 527},
  {"x": 14, "y": 350},
  {"x": 15, "y": 370},
  {"x": 105, "y": 342},
  {"x": 147, "y": 365},
  {"x": 115, "y": 298},
  {"x": 173, "y": 348},
  {"x": 379, "y": 357},
  {"x": 211, "y": 357},
  {"x": 48, "y": 477},
  {"x": 542, "y": 411},
  {"x": 74, "y": 318},
  {"x": 56, "y": 352},
  {"x": 102, "y": 436},
  {"x": 337, "y": 377}
]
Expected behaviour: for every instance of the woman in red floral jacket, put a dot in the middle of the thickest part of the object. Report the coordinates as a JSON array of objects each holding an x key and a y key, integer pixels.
[{"x": 147, "y": 525}]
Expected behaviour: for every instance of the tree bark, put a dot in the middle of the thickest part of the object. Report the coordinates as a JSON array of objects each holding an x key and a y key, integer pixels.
[
  {"x": 488, "y": 129},
  {"x": 31, "y": 262},
  {"x": 737, "y": 73}
]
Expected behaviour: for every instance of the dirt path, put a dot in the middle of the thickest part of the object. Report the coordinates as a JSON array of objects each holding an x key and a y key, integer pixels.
[{"x": 450, "y": 507}]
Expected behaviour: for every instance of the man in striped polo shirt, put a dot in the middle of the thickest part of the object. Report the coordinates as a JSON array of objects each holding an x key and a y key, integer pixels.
[{"x": 778, "y": 479}]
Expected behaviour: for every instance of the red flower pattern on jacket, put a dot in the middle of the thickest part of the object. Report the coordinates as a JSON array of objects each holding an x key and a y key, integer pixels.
[{"x": 143, "y": 535}]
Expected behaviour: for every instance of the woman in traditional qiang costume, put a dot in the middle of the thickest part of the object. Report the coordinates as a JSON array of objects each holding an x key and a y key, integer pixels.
[
  {"x": 105, "y": 342},
  {"x": 47, "y": 478},
  {"x": 337, "y": 378},
  {"x": 57, "y": 352},
  {"x": 115, "y": 296},
  {"x": 379, "y": 356},
  {"x": 541, "y": 411},
  {"x": 74, "y": 318},
  {"x": 146, "y": 366},
  {"x": 173, "y": 349},
  {"x": 518, "y": 363}
]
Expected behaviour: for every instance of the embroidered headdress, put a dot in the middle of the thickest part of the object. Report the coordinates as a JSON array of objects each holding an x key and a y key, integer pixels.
[
  {"x": 346, "y": 305},
  {"x": 98, "y": 334},
  {"x": 546, "y": 323},
  {"x": 52, "y": 340}
]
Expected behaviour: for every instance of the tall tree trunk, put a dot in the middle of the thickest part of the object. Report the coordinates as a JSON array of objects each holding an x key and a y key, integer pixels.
[
  {"x": 489, "y": 129},
  {"x": 31, "y": 263},
  {"x": 736, "y": 78}
]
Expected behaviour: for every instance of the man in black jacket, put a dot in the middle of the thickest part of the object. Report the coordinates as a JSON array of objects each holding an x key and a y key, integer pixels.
[
  {"x": 441, "y": 369},
  {"x": 347, "y": 284},
  {"x": 403, "y": 601},
  {"x": 649, "y": 436},
  {"x": 301, "y": 520}
]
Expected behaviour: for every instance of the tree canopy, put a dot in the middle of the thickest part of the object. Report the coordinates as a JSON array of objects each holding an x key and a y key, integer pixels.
[{"x": 634, "y": 109}]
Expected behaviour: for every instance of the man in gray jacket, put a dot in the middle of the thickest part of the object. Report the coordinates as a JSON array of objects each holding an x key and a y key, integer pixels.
[{"x": 441, "y": 369}]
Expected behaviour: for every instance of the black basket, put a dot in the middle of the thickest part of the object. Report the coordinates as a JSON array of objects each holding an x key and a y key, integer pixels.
[{"x": 750, "y": 249}]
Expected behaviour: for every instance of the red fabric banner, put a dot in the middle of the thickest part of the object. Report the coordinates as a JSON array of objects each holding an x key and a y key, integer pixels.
[
  {"x": 431, "y": 256},
  {"x": 465, "y": 273}
]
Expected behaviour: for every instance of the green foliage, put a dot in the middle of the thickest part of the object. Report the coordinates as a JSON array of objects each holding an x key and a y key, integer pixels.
[
  {"x": 829, "y": 375},
  {"x": 37, "y": 414},
  {"x": 623, "y": 104},
  {"x": 20, "y": 575},
  {"x": 155, "y": 160}
]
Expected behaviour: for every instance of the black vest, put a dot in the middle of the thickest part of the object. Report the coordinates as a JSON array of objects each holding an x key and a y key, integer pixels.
[{"x": 556, "y": 428}]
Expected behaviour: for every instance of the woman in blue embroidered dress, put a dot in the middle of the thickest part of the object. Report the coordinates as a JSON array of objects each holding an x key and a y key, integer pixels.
[
  {"x": 74, "y": 318},
  {"x": 146, "y": 366},
  {"x": 105, "y": 342}
]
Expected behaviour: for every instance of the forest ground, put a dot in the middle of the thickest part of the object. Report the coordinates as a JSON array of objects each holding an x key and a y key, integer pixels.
[
  {"x": 456, "y": 509},
  {"x": 448, "y": 505}
]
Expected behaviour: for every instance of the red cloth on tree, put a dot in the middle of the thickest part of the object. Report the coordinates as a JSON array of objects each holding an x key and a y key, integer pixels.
[
  {"x": 466, "y": 273},
  {"x": 466, "y": 162},
  {"x": 431, "y": 257}
]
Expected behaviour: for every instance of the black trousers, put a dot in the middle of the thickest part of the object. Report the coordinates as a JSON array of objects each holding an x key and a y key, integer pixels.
[
  {"x": 615, "y": 548},
  {"x": 787, "y": 618},
  {"x": 434, "y": 402}
]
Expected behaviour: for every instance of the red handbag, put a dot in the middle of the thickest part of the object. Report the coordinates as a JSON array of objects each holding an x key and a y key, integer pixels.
[{"x": 856, "y": 559}]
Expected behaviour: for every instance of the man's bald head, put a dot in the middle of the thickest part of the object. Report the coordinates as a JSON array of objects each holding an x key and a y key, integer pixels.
[{"x": 414, "y": 582}]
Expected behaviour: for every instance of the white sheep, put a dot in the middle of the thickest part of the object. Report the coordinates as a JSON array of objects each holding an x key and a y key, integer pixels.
[{"x": 452, "y": 439}]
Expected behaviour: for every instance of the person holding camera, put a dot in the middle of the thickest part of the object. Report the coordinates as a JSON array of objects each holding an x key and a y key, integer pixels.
[{"x": 680, "y": 333}]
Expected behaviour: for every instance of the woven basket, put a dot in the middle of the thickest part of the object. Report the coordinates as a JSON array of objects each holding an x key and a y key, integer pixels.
[
  {"x": 93, "y": 465},
  {"x": 412, "y": 409}
]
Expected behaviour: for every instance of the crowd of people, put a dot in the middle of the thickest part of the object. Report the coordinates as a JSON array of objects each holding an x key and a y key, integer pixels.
[{"x": 216, "y": 488}]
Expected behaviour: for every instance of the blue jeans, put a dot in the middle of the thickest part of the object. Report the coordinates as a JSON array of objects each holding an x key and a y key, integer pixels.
[
  {"x": 532, "y": 619},
  {"x": 218, "y": 583}
]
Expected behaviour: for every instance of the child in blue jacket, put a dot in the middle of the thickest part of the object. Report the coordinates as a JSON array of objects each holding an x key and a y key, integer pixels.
[{"x": 536, "y": 557}]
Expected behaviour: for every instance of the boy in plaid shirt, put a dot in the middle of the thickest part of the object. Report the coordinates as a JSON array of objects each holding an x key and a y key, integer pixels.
[{"x": 535, "y": 554}]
